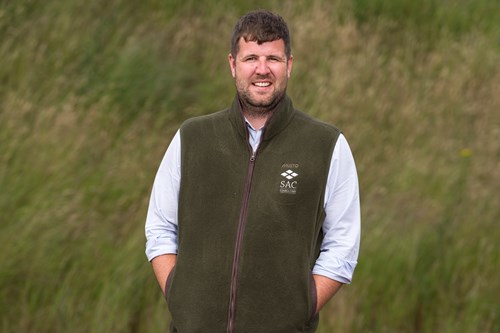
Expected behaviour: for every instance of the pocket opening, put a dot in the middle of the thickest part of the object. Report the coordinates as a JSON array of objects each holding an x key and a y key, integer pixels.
[
  {"x": 168, "y": 282},
  {"x": 314, "y": 297}
]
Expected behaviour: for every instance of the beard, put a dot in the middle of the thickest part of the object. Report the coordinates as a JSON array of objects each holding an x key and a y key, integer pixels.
[{"x": 256, "y": 105}]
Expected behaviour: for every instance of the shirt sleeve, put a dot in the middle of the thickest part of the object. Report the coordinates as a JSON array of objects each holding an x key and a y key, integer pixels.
[
  {"x": 341, "y": 228},
  {"x": 161, "y": 220}
]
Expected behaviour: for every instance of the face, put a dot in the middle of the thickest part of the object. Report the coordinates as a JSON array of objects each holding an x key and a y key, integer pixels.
[{"x": 261, "y": 73}]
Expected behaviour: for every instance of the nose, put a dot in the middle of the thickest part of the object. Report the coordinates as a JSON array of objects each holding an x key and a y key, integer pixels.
[{"x": 262, "y": 67}]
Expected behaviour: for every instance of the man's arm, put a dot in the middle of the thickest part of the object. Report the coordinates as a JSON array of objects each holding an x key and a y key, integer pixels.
[
  {"x": 325, "y": 289},
  {"x": 161, "y": 221},
  {"x": 162, "y": 266},
  {"x": 341, "y": 228}
]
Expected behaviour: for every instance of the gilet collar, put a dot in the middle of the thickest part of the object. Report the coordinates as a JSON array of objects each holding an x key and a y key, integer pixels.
[{"x": 279, "y": 120}]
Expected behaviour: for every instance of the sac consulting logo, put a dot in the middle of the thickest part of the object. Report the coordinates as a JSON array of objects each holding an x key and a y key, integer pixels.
[{"x": 289, "y": 184}]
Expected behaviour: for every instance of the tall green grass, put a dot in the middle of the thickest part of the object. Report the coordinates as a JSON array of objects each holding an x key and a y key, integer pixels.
[{"x": 92, "y": 92}]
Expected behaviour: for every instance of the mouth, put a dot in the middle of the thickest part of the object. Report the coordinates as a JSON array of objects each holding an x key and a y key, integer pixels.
[{"x": 262, "y": 84}]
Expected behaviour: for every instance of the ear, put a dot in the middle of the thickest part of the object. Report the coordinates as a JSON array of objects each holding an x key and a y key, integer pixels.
[
  {"x": 232, "y": 64},
  {"x": 289, "y": 66}
]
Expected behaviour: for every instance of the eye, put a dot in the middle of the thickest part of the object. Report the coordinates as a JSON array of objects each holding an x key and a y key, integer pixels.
[
  {"x": 274, "y": 59},
  {"x": 249, "y": 58}
]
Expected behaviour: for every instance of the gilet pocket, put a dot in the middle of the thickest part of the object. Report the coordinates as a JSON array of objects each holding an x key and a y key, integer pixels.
[
  {"x": 313, "y": 296},
  {"x": 168, "y": 283}
]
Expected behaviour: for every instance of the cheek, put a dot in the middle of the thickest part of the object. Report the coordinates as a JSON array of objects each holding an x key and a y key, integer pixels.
[
  {"x": 281, "y": 72},
  {"x": 243, "y": 71}
]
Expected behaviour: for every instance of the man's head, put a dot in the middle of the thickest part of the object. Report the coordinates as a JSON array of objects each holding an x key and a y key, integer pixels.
[
  {"x": 260, "y": 26},
  {"x": 260, "y": 61}
]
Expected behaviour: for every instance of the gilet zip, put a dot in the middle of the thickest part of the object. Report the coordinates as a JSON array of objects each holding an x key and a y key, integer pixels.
[{"x": 239, "y": 235}]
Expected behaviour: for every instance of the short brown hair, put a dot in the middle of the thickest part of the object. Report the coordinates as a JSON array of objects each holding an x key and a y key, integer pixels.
[{"x": 261, "y": 26}]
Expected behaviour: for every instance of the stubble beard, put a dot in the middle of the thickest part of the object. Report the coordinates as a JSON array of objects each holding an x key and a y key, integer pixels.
[{"x": 259, "y": 108}]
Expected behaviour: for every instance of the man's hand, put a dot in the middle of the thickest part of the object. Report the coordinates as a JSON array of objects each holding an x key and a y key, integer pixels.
[
  {"x": 162, "y": 266},
  {"x": 325, "y": 289}
]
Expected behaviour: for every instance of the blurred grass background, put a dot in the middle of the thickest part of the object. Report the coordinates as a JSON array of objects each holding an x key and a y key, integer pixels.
[{"x": 91, "y": 93}]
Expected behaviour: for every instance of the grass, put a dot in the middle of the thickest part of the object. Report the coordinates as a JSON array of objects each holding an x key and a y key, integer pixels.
[{"x": 92, "y": 92}]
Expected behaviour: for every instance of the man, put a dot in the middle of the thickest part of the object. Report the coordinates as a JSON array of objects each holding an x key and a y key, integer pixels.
[{"x": 254, "y": 222}]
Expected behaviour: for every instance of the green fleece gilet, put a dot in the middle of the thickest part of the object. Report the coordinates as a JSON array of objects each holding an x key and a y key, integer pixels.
[{"x": 276, "y": 232}]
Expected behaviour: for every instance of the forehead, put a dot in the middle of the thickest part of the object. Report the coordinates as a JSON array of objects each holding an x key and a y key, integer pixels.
[{"x": 276, "y": 47}]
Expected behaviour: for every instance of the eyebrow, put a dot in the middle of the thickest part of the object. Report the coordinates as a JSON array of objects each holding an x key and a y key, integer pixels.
[{"x": 273, "y": 56}]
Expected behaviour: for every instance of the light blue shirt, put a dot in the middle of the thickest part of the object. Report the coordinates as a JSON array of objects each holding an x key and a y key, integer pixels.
[{"x": 341, "y": 228}]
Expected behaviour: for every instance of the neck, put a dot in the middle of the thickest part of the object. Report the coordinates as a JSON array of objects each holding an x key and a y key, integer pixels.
[
  {"x": 258, "y": 116},
  {"x": 258, "y": 121}
]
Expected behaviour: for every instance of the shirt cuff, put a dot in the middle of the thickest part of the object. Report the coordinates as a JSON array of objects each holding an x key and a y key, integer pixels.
[
  {"x": 158, "y": 246},
  {"x": 337, "y": 269}
]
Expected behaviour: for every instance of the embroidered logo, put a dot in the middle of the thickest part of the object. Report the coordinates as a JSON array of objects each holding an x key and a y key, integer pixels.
[
  {"x": 289, "y": 174},
  {"x": 289, "y": 186}
]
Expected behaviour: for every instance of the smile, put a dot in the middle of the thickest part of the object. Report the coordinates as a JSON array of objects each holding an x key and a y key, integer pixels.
[{"x": 262, "y": 84}]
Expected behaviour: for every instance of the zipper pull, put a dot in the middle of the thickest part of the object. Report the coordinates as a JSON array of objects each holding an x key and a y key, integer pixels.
[{"x": 252, "y": 158}]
